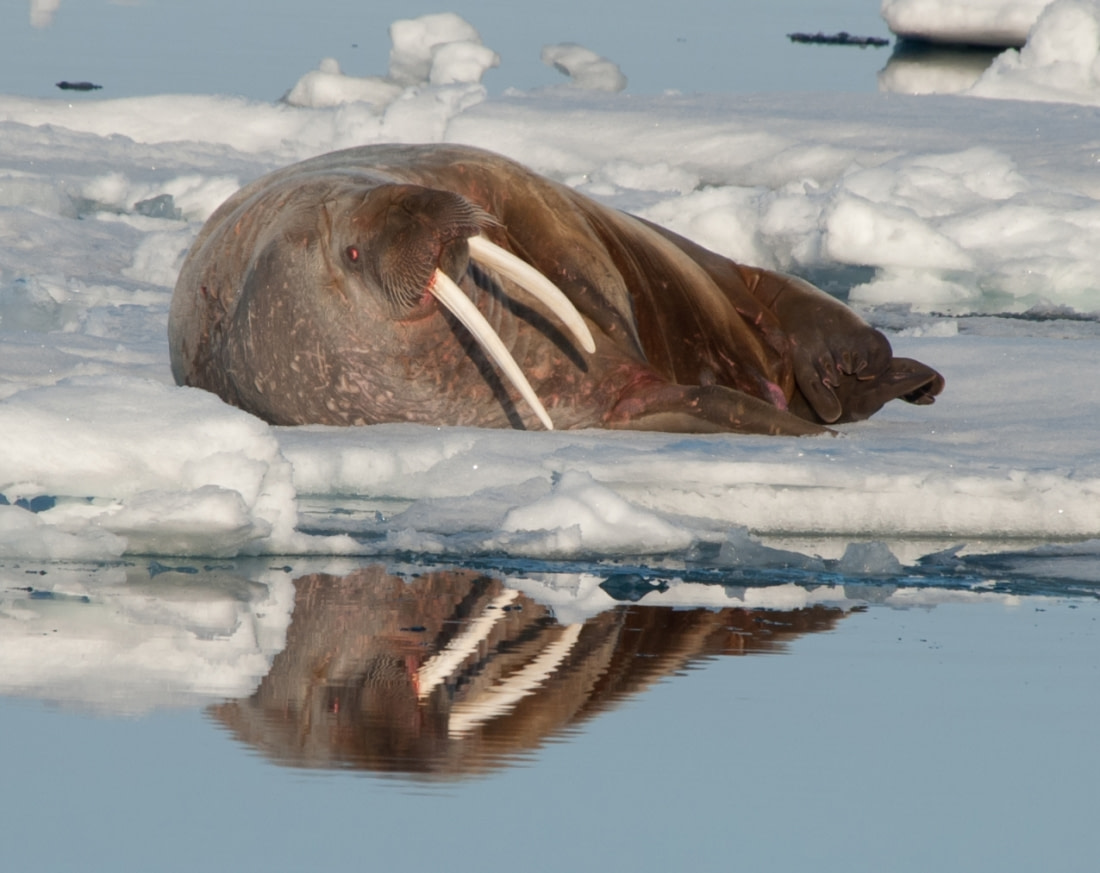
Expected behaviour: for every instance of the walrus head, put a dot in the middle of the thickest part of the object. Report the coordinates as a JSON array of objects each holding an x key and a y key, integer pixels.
[
  {"x": 345, "y": 256},
  {"x": 409, "y": 246},
  {"x": 400, "y": 235}
]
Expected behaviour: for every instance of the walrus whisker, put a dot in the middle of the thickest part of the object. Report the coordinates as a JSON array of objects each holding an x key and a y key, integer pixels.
[
  {"x": 489, "y": 254},
  {"x": 461, "y": 307}
]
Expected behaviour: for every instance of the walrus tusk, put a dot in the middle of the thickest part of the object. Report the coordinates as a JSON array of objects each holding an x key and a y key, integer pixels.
[
  {"x": 496, "y": 700},
  {"x": 442, "y": 664},
  {"x": 530, "y": 279},
  {"x": 462, "y": 308}
]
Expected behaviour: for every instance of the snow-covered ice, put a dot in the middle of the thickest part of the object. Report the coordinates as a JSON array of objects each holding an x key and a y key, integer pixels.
[
  {"x": 1055, "y": 55},
  {"x": 1060, "y": 61},
  {"x": 968, "y": 228}
]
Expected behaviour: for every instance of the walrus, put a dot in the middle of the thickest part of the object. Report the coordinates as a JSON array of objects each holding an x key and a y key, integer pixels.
[{"x": 449, "y": 285}]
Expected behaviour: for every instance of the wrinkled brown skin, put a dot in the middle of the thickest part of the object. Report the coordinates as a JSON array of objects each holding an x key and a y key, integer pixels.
[{"x": 274, "y": 313}]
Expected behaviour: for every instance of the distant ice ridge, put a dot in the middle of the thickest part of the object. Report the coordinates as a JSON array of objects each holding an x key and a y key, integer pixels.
[
  {"x": 965, "y": 22},
  {"x": 1055, "y": 58}
]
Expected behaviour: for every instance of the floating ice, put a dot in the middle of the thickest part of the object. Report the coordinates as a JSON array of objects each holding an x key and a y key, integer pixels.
[
  {"x": 436, "y": 50},
  {"x": 417, "y": 40},
  {"x": 584, "y": 67},
  {"x": 43, "y": 11},
  {"x": 1060, "y": 61},
  {"x": 973, "y": 22},
  {"x": 328, "y": 86}
]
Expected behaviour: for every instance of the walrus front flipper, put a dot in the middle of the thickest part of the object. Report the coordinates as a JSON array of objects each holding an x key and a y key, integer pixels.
[
  {"x": 844, "y": 369},
  {"x": 664, "y": 406}
]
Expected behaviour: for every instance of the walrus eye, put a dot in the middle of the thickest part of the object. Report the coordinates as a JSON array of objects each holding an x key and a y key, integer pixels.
[{"x": 353, "y": 253}]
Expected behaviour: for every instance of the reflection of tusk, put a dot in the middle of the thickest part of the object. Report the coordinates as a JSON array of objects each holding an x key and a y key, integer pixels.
[
  {"x": 437, "y": 668},
  {"x": 502, "y": 698},
  {"x": 536, "y": 284},
  {"x": 462, "y": 308}
]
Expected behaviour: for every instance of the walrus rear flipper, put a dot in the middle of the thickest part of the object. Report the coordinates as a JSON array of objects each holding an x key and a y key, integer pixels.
[
  {"x": 853, "y": 396},
  {"x": 929, "y": 382},
  {"x": 844, "y": 369},
  {"x": 664, "y": 406}
]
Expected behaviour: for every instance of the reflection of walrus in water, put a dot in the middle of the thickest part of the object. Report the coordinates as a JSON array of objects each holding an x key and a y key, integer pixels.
[{"x": 451, "y": 673}]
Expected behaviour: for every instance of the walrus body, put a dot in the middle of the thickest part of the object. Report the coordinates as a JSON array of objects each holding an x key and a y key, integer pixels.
[{"x": 310, "y": 297}]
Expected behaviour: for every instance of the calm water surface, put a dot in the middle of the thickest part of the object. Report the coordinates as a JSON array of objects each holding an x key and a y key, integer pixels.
[
  {"x": 260, "y": 50},
  {"x": 268, "y": 717}
]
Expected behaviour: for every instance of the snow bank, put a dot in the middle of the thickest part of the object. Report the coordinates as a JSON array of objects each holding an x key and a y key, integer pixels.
[
  {"x": 1060, "y": 62},
  {"x": 164, "y": 470}
]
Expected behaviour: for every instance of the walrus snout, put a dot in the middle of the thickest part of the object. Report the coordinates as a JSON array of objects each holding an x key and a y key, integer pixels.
[
  {"x": 402, "y": 234},
  {"x": 414, "y": 244}
]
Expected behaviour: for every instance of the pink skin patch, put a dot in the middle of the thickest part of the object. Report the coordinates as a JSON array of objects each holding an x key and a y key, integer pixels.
[{"x": 776, "y": 395}]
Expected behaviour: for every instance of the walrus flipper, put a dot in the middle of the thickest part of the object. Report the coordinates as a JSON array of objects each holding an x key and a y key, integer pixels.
[
  {"x": 845, "y": 370},
  {"x": 704, "y": 409},
  {"x": 838, "y": 393}
]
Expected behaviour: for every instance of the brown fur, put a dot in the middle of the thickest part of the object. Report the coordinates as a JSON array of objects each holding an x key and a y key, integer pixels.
[{"x": 304, "y": 300}]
